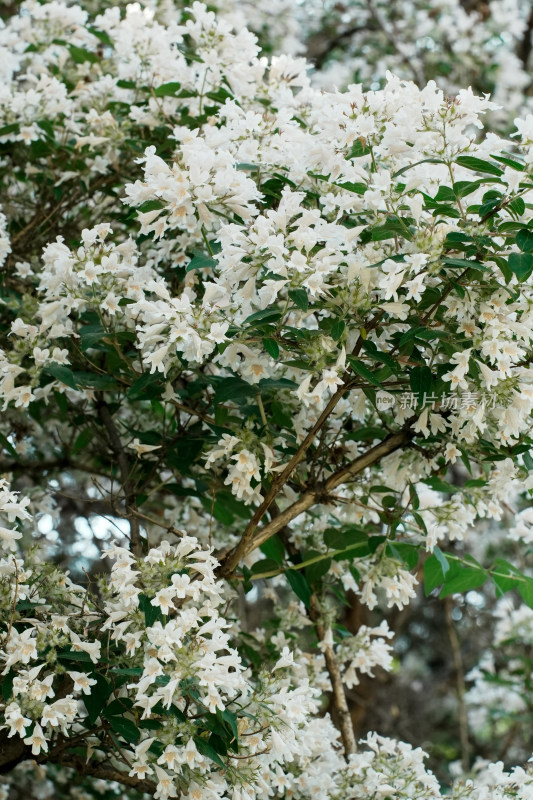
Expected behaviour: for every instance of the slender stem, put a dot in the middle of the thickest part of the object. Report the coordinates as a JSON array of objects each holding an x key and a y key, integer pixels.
[
  {"x": 460, "y": 685},
  {"x": 338, "y": 697},
  {"x": 245, "y": 546},
  {"x": 128, "y": 486},
  {"x": 312, "y": 496}
]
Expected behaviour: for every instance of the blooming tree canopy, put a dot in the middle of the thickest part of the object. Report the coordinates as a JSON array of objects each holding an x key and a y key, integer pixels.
[{"x": 279, "y": 336}]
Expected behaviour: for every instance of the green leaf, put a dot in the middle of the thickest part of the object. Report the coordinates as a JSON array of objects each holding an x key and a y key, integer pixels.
[
  {"x": 509, "y": 162},
  {"x": 74, "y": 655},
  {"x": 339, "y": 539},
  {"x": 62, "y": 374},
  {"x": 151, "y": 613},
  {"x": 233, "y": 389},
  {"x": 391, "y": 229},
  {"x": 518, "y": 206},
  {"x": 147, "y": 386},
  {"x": 464, "y": 262},
  {"x": 119, "y": 706},
  {"x": 128, "y": 671},
  {"x": 362, "y": 370},
  {"x": 314, "y": 572},
  {"x": 94, "y": 381},
  {"x": 337, "y": 329},
  {"x": 206, "y": 750},
  {"x": 464, "y": 188},
  {"x": 506, "y": 579},
  {"x": 6, "y": 444},
  {"x": 421, "y": 383},
  {"x": 402, "y": 551},
  {"x": 102, "y": 35},
  {"x": 82, "y": 440},
  {"x": 91, "y": 335},
  {"x": 167, "y": 89},
  {"x": 272, "y": 347},
  {"x": 488, "y": 206},
  {"x": 125, "y": 728},
  {"x": 439, "y": 485},
  {"x": 299, "y": 298},
  {"x": 7, "y": 684},
  {"x": 466, "y": 579},
  {"x": 525, "y": 589},
  {"x": 150, "y": 205},
  {"x": 445, "y": 195},
  {"x": 264, "y": 565},
  {"x": 299, "y": 585},
  {"x": 433, "y": 574},
  {"x": 46, "y": 126},
  {"x": 478, "y": 164},
  {"x": 201, "y": 261},
  {"x": 80, "y": 55},
  {"x": 444, "y": 563},
  {"x": 528, "y": 460},
  {"x": 266, "y": 384},
  {"x": 524, "y": 240},
  {"x": 521, "y": 265},
  {"x": 358, "y": 149},
  {"x": 273, "y": 548},
  {"x": 356, "y": 188},
  {"x": 247, "y": 584},
  {"x": 97, "y": 699},
  {"x": 230, "y": 719},
  {"x": 14, "y": 127},
  {"x": 268, "y": 315}
]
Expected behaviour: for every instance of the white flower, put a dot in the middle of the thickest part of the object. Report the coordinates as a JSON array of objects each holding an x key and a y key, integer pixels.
[
  {"x": 142, "y": 449},
  {"x": 37, "y": 741},
  {"x": 82, "y": 682}
]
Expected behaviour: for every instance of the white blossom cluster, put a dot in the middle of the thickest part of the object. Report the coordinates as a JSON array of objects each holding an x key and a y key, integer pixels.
[
  {"x": 212, "y": 267},
  {"x": 172, "y": 663}
]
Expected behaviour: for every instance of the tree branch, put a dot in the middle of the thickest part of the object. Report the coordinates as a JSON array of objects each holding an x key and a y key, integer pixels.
[
  {"x": 13, "y": 751},
  {"x": 524, "y": 50},
  {"x": 460, "y": 685},
  {"x": 106, "y": 772},
  {"x": 136, "y": 544},
  {"x": 232, "y": 558},
  {"x": 312, "y": 496},
  {"x": 340, "y": 704}
]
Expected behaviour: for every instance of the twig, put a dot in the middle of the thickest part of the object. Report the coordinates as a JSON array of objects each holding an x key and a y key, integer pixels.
[
  {"x": 245, "y": 545},
  {"x": 460, "y": 685},
  {"x": 338, "y": 696},
  {"x": 314, "y": 495},
  {"x": 136, "y": 543}
]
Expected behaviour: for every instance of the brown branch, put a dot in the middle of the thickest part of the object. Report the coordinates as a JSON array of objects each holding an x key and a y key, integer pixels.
[
  {"x": 460, "y": 685},
  {"x": 320, "y": 46},
  {"x": 13, "y": 751},
  {"x": 524, "y": 50},
  {"x": 31, "y": 467},
  {"x": 106, "y": 772},
  {"x": 407, "y": 60},
  {"x": 136, "y": 543},
  {"x": 314, "y": 495},
  {"x": 238, "y": 552},
  {"x": 232, "y": 558},
  {"x": 338, "y": 697}
]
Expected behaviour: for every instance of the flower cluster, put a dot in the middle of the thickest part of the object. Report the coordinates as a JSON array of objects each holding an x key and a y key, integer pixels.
[{"x": 213, "y": 273}]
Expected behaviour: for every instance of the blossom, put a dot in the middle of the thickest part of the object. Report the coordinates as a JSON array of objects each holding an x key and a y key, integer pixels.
[
  {"x": 142, "y": 449},
  {"x": 82, "y": 682},
  {"x": 37, "y": 740}
]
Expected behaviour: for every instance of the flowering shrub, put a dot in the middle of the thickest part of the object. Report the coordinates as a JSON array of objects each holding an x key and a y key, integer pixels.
[{"x": 281, "y": 338}]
